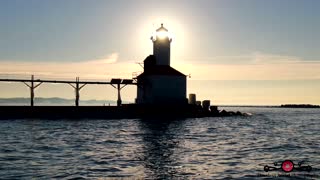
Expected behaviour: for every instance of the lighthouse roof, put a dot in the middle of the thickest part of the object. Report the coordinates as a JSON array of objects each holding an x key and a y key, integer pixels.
[
  {"x": 161, "y": 70},
  {"x": 162, "y": 29},
  {"x": 150, "y": 68}
]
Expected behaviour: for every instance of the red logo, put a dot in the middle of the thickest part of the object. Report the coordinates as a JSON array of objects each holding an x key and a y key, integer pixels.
[{"x": 287, "y": 166}]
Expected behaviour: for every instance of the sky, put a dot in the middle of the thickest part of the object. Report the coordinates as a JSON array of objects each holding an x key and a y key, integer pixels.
[{"x": 238, "y": 52}]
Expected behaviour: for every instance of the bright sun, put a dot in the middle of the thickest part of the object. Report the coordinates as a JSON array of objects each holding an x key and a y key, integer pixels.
[
  {"x": 177, "y": 32},
  {"x": 162, "y": 34}
]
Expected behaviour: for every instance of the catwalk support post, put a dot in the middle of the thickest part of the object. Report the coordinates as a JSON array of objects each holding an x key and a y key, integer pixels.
[
  {"x": 118, "y": 87},
  {"x": 32, "y": 87},
  {"x": 77, "y": 89},
  {"x": 119, "y": 101}
]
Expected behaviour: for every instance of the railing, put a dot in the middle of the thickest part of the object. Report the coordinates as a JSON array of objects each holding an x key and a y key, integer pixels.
[{"x": 77, "y": 85}]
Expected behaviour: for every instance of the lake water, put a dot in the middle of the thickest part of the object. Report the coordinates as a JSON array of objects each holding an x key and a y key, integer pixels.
[{"x": 203, "y": 148}]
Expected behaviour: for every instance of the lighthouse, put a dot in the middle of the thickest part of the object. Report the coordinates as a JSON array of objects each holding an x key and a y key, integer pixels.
[
  {"x": 161, "y": 46},
  {"x": 160, "y": 84}
]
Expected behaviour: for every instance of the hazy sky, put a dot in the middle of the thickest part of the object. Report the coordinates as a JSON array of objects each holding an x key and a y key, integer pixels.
[{"x": 237, "y": 51}]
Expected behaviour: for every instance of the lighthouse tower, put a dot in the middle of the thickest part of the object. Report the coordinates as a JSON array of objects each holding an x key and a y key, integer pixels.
[
  {"x": 161, "y": 46},
  {"x": 160, "y": 84}
]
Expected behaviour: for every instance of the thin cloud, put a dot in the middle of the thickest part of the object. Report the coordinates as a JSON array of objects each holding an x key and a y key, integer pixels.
[
  {"x": 103, "y": 68},
  {"x": 258, "y": 66},
  {"x": 247, "y": 59},
  {"x": 262, "y": 58},
  {"x": 113, "y": 58}
]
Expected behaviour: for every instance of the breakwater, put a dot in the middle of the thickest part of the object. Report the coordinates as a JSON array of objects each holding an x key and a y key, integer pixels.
[{"x": 126, "y": 111}]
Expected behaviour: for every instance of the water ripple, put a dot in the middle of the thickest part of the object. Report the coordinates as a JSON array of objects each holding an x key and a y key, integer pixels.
[{"x": 201, "y": 148}]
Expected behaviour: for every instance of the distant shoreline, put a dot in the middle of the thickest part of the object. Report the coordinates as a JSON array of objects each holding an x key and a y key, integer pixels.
[
  {"x": 299, "y": 106},
  {"x": 55, "y": 101},
  {"x": 274, "y": 106}
]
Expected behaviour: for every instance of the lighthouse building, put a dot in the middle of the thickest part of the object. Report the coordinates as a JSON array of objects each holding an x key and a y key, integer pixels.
[{"x": 160, "y": 84}]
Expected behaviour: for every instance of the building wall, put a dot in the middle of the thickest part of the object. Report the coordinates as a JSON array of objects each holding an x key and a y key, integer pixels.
[{"x": 162, "y": 89}]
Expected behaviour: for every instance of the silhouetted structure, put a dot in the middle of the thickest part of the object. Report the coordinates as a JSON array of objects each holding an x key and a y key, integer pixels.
[
  {"x": 161, "y": 84},
  {"x": 77, "y": 85},
  {"x": 161, "y": 92}
]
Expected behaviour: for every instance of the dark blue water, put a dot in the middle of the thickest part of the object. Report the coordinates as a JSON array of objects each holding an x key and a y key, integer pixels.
[{"x": 204, "y": 148}]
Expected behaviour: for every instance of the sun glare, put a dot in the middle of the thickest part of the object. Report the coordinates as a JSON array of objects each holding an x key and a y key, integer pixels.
[
  {"x": 162, "y": 34},
  {"x": 176, "y": 31}
]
